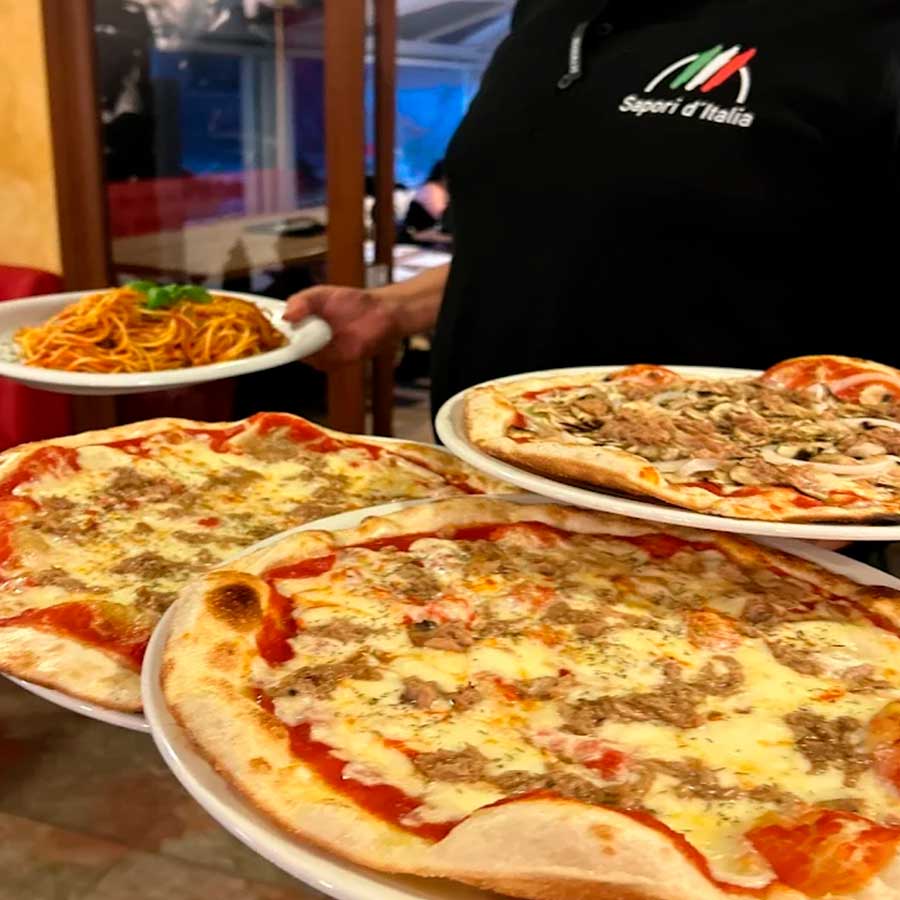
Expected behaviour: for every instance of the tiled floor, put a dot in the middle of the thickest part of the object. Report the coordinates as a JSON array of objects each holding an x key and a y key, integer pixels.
[{"x": 90, "y": 812}]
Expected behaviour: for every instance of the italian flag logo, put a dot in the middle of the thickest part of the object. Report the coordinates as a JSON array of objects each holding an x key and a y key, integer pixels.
[{"x": 709, "y": 70}]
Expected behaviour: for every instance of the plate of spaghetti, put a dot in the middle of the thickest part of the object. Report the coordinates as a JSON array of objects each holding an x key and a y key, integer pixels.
[{"x": 146, "y": 337}]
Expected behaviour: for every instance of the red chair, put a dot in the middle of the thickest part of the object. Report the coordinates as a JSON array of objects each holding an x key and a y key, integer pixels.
[{"x": 27, "y": 414}]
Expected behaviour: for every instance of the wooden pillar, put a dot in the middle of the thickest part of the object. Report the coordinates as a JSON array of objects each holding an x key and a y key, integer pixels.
[
  {"x": 345, "y": 170},
  {"x": 385, "y": 114},
  {"x": 77, "y": 153},
  {"x": 71, "y": 65}
]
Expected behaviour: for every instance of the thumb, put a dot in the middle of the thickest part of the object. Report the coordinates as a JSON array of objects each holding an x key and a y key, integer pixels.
[{"x": 310, "y": 302}]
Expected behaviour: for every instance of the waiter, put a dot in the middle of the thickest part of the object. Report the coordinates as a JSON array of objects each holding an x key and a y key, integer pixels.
[{"x": 670, "y": 181}]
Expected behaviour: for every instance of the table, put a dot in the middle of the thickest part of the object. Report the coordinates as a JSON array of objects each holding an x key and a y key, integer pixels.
[{"x": 219, "y": 250}]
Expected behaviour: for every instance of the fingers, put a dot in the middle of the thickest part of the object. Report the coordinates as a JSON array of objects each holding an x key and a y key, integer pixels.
[{"x": 310, "y": 302}]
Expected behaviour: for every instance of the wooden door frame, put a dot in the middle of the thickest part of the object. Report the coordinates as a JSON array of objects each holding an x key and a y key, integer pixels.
[
  {"x": 385, "y": 118},
  {"x": 82, "y": 216},
  {"x": 345, "y": 37},
  {"x": 81, "y": 211}
]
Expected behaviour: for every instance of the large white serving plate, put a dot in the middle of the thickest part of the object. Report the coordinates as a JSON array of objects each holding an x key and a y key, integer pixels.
[
  {"x": 304, "y": 338},
  {"x": 450, "y": 426},
  {"x": 321, "y": 870}
]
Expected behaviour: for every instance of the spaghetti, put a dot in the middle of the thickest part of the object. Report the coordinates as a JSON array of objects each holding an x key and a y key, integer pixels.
[{"x": 117, "y": 331}]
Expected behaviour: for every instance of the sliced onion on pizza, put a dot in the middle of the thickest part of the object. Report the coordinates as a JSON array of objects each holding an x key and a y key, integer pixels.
[{"x": 812, "y": 439}]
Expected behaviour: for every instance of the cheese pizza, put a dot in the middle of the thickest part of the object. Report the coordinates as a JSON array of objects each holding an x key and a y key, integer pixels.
[
  {"x": 812, "y": 439},
  {"x": 555, "y": 703},
  {"x": 100, "y": 530}
]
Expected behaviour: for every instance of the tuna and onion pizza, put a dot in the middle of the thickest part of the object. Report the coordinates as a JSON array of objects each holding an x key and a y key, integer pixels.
[
  {"x": 555, "y": 703},
  {"x": 99, "y": 531},
  {"x": 815, "y": 438}
]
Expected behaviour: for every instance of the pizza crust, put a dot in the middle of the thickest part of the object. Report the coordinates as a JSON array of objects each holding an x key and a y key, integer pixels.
[
  {"x": 489, "y": 414},
  {"x": 562, "y": 848},
  {"x": 88, "y": 673},
  {"x": 63, "y": 664}
]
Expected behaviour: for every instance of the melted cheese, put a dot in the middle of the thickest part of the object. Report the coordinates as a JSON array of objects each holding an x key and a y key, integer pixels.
[
  {"x": 743, "y": 739},
  {"x": 220, "y": 515}
]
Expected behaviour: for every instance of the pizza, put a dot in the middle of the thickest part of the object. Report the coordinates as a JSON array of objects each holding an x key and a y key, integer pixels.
[
  {"x": 554, "y": 703},
  {"x": 815, "y": 438},
  {"x": 100, "y": 530}
]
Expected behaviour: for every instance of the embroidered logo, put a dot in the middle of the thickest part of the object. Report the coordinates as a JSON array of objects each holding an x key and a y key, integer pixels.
[{"x": 704, "y": 72}]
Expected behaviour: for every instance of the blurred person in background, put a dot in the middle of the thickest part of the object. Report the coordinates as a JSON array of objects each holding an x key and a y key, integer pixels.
[{"x": 425, "y": 214}]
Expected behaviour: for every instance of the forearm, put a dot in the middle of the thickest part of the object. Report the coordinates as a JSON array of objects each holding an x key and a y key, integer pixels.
[{"x": 415, "y": 303}]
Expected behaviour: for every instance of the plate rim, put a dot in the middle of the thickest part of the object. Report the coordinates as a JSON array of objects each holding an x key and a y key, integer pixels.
[
  {"x": 116, "y": 717},
  {"x": 303, "y": 339},
  {"x": 450, "y": 429},
  {"x": 245, "y": 823}
]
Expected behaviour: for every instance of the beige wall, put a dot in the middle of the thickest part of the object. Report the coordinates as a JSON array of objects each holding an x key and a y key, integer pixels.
[{"x": 28, "y": 222}]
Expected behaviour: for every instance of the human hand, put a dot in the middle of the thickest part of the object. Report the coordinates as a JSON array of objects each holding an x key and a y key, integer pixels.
[{"x": 362, "y": 322}]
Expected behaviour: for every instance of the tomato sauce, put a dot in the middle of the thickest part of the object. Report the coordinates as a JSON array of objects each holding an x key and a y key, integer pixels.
[
  {"x": 646, "y": 374},
  {"x": 6, "y": 548},
  {"x": 306, "y": 433},
  {"x": 402, "y": 747},
  {"x": 384, "y": 801},
  {"x": 79, "y": 621},
  {"x": 299, "y": 430},
  {"x": 315, "y": 439},
  {"x": 132, "y": 446},
  {"x": 801, "y": 373},
  {"x": 217, "y": 437},
  {"x": 719, "y": 490},
  {"x": 46, "y": 460},
  {"x": 266, "y": 702},
  {"x": 664, "y": 546},
  {"x": 608, "y": 764},
  {"x": 843, "y": 498},
  {"x": 825, "y": 851},
  {"x": 400, "y": 542},
  {"x": 279, "y": 625},
  {"x": 806, "y": 502},
  {"x": 690, "y": 852},
  {"x": 460, "y": 485}
]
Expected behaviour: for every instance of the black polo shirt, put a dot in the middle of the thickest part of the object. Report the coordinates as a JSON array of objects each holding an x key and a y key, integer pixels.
[{"x": 712, "y": 182}]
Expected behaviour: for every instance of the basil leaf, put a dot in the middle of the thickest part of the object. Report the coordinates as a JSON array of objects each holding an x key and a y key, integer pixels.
[
  {"x": 193, "y": 292},
  {"x": 163, "y": 296},
  {"x": 142, "y": 287},
  {"x": 159, "y": 297}
]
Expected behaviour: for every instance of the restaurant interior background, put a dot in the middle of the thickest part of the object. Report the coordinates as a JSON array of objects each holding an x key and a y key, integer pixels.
[{"x": 190, "y": 140}]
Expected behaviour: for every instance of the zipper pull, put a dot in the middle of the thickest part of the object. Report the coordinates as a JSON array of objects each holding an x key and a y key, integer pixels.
[{"x": 576, "y": 51}]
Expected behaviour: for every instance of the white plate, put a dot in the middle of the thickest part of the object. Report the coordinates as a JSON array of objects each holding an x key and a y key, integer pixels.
[
  {"x": 131, "y": 721},
  {"x": 317, "y": 868},
  {"x": 450, "y": 426},
  {"x": 303, "y": 339}
]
